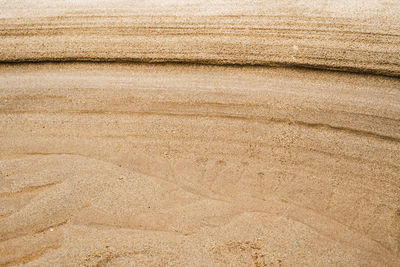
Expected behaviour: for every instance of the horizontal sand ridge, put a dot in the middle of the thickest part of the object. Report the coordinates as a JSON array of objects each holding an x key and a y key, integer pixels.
[
  {"x": 226, "y": 63},
  {"x": 363, "y": 38}
]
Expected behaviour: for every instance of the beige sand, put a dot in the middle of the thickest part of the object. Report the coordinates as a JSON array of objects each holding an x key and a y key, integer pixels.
[
  {"x": 132, "y": 164},
  {"x": 360, "y": 36},
  {"x": 195, "y": 165}
]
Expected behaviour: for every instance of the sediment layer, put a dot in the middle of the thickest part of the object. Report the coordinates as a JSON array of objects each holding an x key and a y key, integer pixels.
[
  {"x": 362, "y": 37},
  {"x": 142, "y": 164}
]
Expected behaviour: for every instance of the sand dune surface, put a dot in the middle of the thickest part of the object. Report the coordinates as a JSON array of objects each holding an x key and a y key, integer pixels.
[
  {"x": 197, "y": 165},
  {"x": 144, "y": 133}
]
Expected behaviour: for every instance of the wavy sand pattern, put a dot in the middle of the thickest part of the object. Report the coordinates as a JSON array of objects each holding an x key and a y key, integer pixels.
[{"x": 138, "y": 164}]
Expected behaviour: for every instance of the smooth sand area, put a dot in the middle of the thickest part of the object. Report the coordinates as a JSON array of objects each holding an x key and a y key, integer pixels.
[{"x": 135, "y": 164}]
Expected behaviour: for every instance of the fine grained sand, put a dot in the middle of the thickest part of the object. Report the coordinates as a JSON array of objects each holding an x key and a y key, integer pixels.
[
  {"x": 197, "y": 165},
  {"x": 133, "y": 164},
  {"x": 360, "y": 36}
]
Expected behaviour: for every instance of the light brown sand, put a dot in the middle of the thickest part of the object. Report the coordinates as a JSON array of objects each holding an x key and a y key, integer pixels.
[
  {"x": 360, "y": 36},
  {"x": 128, "y": 164}
]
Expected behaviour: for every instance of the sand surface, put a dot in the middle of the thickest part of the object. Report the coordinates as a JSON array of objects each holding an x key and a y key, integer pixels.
[
  {"x": 197, "y": 165},
  {"x": 359, "y": 36},
  {"x": 138, "y": 164}
]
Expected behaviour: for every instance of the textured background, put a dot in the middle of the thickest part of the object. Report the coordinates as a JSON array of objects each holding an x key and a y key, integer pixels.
[
  {"x": 361, "y": 36},
  {"x": 137, "y": 164}
]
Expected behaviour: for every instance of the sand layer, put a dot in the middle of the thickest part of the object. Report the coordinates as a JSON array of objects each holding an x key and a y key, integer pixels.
[
  {"x": 124, "y": 164},
  {"x": 351, "y": 35}
]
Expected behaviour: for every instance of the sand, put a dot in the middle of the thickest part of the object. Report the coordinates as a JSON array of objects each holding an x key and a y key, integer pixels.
[
  {"x": 359, "y": 36},
  {"x": 124, "y": 156}
]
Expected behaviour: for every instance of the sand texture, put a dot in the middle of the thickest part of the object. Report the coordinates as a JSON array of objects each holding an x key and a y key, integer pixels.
[
  {"x": 169, "y": 164},
  {"x": 359, "y": 36}
]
